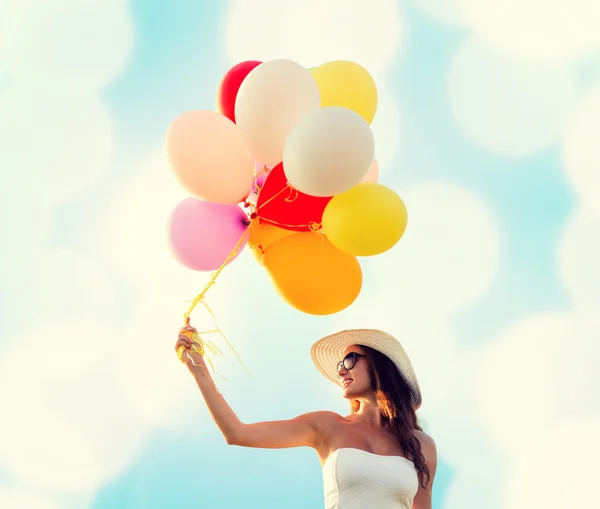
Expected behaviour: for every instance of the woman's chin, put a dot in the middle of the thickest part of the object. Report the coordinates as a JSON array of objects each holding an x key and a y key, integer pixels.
[{"x": 348, "y": 393}]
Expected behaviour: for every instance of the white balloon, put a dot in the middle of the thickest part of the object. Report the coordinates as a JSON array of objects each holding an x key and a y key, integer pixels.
[
  {"x": 272, "y": 98},
  {"x": 328, "y": 152}
]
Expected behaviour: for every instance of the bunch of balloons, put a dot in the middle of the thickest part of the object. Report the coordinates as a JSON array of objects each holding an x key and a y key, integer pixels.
[{"x": 286, "y": 166}]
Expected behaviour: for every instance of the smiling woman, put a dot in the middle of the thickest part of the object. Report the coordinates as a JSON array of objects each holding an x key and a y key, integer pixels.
[{"x": 377, "y": 456}]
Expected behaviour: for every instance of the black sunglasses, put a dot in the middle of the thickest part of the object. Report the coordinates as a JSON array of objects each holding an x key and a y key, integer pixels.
[{"x": 349, "y": 361}]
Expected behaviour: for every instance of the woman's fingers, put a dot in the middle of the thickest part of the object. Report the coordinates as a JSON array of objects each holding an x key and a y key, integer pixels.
[
  {"x": 183, "y": 341},
  {"x": 190, "y": 353}
]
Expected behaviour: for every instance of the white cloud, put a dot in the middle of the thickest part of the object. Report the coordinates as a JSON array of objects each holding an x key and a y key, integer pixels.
[
  {"x": 52, "y": 146},
  {"x": 387, "y": 129},
  {"x": 21, "y": 499},
  {"x": 449, "y": 254},
  {"x": 540, "y": 373},
  {"x": 558, "y": 469},
  {"x": 536, "y": 29},
  {"x": 510, "y": 107},
  {"x": 61, "y": 374},
  {"x": 581, "y": 151},
  {"x": 369, "y": 34},
  {"x": 578, "y": 255},
  {"x": 443, "y": 11},
  {"x": 62, "y": 45}
]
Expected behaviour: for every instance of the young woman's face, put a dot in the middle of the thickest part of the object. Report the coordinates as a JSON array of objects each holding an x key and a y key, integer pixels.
[{"x": 353, "y": 373}]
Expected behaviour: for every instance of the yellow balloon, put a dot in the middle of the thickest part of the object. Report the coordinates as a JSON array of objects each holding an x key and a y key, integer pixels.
[
  {"x": 312, "y": 275},
  {"x": 262, "y": 235},
  {"x": 367, "y": 220},
  {"x": 349, "y": 85}
]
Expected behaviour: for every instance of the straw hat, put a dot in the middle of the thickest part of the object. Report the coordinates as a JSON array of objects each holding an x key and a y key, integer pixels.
[{"x": 328, "y": 351}]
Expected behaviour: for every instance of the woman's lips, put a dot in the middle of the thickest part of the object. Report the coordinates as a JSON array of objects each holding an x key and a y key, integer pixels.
[{"x": 345, "y": 383}]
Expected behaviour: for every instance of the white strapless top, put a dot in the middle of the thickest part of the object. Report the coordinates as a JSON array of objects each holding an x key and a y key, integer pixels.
[{"x": 357, "y": 479}]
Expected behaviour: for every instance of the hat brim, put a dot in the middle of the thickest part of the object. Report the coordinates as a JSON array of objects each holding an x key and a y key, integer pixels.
[{"x": 328, "y": 351}]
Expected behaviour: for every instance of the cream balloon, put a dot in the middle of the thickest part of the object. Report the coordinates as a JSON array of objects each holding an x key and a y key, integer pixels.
[
  {"x": 272, "y": 98},
  {"x": 328, "y": 151},
  {"x": 209, "y": 157}
]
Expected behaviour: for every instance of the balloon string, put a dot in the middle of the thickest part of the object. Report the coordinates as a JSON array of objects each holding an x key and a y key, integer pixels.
[
  {"x": 313, "y": 226},
  {"x": 292, "y": 196},
  {"x": 292, "y": 192},
  {"x": 263, "y": 170},
  {"x": 200, "y": 344},
  {"x": 289, "y": 198}
]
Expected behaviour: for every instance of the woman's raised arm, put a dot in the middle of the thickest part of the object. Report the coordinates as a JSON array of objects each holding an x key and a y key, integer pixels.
[{"x": 306, "y": 430}]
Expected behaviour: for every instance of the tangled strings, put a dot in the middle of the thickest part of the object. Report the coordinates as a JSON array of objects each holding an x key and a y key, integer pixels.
[{"x": 199, "y": 343}]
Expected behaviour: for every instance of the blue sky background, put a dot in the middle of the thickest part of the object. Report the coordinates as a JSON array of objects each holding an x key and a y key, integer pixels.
[{"x": 494, "y": 290}]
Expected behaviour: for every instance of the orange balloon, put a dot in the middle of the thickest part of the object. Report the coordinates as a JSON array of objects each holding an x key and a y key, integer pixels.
[
  {"x": 312, "y": 275},
  {"x": 262, "y": 235}
]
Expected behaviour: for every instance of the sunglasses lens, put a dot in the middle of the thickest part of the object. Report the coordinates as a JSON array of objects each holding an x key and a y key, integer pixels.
[{"x": 349, "y": 360}]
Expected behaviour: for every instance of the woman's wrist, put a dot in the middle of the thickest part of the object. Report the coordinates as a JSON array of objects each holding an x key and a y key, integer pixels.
[{"x": 200, "y": 370}]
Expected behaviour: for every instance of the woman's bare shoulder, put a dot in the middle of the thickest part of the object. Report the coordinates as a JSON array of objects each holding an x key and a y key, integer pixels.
[
  {"x": 428, "y": 447},
  {"x": 423, "y": 437},
  {"x": 323, "y": 417}
]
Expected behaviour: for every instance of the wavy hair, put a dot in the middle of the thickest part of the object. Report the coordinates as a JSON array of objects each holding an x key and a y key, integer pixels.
[{"x": 393, "y": 396}]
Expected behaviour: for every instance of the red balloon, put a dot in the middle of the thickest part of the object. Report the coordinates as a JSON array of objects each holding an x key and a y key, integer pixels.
[
  {"x": 281, "y": 205},
  {"x": 229, "y": 86}
]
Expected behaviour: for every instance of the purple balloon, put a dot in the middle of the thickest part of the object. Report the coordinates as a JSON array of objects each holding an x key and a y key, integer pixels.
[{"x": 202, "y": 234}]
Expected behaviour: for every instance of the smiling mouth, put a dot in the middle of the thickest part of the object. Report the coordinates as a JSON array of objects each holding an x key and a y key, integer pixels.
[{"x": 345, "y": 383}]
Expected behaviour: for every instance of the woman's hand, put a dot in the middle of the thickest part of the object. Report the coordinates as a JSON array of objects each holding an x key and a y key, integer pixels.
[{"x": 191, "y": 358}]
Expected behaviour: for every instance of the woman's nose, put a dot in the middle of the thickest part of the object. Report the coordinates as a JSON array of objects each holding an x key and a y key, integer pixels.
[{"x": 342, "y": 370}]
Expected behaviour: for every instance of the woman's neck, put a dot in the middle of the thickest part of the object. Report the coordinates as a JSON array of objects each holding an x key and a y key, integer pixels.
[{"x": 368, "y": 411}]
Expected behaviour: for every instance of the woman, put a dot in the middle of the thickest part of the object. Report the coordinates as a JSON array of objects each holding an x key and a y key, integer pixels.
[{"x": 375, "y": 457}]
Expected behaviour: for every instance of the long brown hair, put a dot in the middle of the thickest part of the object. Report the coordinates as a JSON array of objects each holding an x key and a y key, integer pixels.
[{"x": 393, "y": 397}]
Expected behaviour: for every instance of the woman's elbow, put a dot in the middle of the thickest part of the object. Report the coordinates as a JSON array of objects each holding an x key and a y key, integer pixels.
[
  {"x": 235, "y": 437},
  {"x": 232, "y": 439}
]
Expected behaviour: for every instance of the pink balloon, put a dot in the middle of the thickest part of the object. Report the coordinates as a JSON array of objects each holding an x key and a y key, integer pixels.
[
  {"x": 202, "y": 234},
  {"x": 373, "y": 173}
]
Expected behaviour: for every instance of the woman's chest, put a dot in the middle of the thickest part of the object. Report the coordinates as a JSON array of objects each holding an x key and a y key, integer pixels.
[{"x": 367, "y": 438}]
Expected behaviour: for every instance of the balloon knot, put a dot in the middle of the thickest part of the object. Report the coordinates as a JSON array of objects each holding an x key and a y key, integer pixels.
[
  {"x": 246, "y": 204},
  {"x": 254, "y": 215}
]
